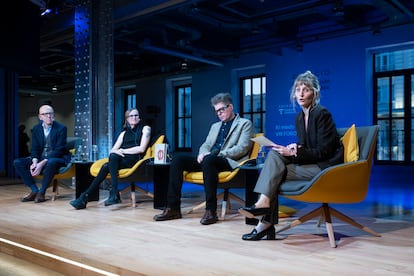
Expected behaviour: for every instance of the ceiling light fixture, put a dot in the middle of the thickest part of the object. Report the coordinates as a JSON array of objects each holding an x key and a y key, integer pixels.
[
  {"x": 46, "y": 12},
  {"x": 48, "y": 7},
  {"x": 184, "y": 65}
]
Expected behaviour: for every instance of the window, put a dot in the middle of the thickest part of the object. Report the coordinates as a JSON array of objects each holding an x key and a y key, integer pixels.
[
  {"x": 130, "y": 98},
  {"x": 183, "y": 118},
  {"x": 394, "y": 106},
  {"x": 253, "y": 100}
]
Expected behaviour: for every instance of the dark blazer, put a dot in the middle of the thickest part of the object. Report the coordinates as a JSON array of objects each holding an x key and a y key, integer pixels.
[
  {"x": 320, "y": 144},
  {"x": 58, "y": 137}
]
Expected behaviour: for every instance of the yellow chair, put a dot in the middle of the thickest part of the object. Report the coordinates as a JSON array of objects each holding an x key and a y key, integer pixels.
[
  {"x": 140, "y": 172},
  {"x": 227, "y": 180},
  {"x": 344, "y": 183},
  {"x": 66, "y": 172}
]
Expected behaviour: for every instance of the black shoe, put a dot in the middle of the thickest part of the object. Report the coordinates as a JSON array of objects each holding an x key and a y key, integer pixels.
[
  {"x": 29, "y": 197},
  {"x": 270, "y": 234},
  {"x": 209, "y": 218},
  {"x": 168, "y": 214},
  {"x": 113, "y": 200},
  {"x": 252, "y": 211},
  {"x": 80, "y": 202},
  {"x": 40, "y": 197}
]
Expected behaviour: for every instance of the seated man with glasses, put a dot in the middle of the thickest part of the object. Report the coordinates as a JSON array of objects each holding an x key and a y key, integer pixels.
[
  {"x": 49, "y": 152},
  {"x": 227, "y": 144}
]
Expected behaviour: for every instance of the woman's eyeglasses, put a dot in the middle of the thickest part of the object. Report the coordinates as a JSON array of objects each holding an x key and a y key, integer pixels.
[{"x": 133, "y": 115}]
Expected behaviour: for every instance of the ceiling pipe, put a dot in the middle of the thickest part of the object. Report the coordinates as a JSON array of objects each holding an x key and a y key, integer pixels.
[
  {"x": 142, "y": 8},
  {"x": 147, "y": 46}
]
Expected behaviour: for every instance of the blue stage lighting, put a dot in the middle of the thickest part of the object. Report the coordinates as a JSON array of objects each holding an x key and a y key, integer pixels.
[{"x": 46, "y": 12}]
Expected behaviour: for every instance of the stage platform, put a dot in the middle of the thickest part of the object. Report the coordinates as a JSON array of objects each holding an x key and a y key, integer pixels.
[{"x": 121, "y": 240}]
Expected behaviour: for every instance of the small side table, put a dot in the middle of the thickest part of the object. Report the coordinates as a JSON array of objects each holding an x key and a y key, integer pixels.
[
  {"x": 84, "y": 179},
  {"x": 161, "y": 175},
  {"x": 251, "y": 174}
]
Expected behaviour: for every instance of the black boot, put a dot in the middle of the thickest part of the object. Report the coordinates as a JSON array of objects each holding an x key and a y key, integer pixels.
[
  {"x": 80, "y": 202},
  {"x": 114, "y": 198}
]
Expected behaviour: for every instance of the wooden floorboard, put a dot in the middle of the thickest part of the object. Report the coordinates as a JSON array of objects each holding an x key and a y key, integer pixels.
[{"x": 126, "y": 241}]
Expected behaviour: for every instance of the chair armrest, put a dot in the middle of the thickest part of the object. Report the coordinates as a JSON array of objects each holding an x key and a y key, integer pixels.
[
  {"x": 65, "y": 168},
  {"x": 96, "y": 166},
  {"x": 249, "y": 162}
]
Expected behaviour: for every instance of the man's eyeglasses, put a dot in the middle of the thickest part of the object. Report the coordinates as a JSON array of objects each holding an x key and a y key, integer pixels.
[
  {"x": 47, "y": 114},
  {"x": 133, "y": 115},
  {"x": 222, "y": 109}
]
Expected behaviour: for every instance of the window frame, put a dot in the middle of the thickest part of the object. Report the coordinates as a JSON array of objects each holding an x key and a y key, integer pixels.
[
  {"x": 183, "y": 131},
  {"x": 392, "y": 147},
  {"x": 254, "y": 110}
]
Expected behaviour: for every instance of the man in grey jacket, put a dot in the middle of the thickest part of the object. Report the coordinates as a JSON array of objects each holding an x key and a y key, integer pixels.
[{"x": 227, "y": 144}]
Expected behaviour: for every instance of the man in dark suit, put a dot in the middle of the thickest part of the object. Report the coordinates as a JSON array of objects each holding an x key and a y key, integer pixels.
[{"x": 49, "y": 152}]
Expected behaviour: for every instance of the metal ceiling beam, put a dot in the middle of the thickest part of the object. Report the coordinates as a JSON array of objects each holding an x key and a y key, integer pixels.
[
  {"x": 141, "y": 8},
  {"x": 148, "y": 47}
]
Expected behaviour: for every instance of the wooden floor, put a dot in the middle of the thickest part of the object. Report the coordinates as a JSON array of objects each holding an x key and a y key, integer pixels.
[{"x": 119, "y": 240}]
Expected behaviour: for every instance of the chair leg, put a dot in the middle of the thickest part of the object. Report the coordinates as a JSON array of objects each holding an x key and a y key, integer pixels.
[
  {"x": 144, "y": 192},
  {"x": 203, "y": 205},
  {"x": 225, "y": 203},
  {"x": 321, "y": 211},
  {"x": 328, "y": 223},
  {"x": 132, "y": 195},
  {"x": 199, "y": 206},
  {"x": 320, "y": 220},
  {"x": 325, "y": 211},
  {"x": 55, "y": 187},
  {"x": 236, "y": 198},
  {"x": 225, "y": 206},
  {"x": 304, "y": 218},
  {"x": 349, "y": 220},
  {"x": 100, "y": 202}
]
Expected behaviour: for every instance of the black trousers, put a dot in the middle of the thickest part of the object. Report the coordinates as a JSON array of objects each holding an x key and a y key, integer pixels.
[
  {"x": 115, "y": 163},
  {"x": 211, "y": 166}
]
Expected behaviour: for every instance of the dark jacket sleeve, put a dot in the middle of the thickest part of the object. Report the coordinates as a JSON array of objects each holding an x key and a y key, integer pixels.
[
  {"x": 37, "y": 142},
  {"x": 58, "y": 140}
]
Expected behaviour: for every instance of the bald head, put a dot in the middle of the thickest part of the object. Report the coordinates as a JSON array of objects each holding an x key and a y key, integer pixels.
[{"x": 46, "y": 114}]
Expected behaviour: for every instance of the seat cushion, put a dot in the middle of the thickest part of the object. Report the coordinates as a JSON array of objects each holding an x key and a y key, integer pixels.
[
  {"x": 294, "y": 187},
  {"x": 350, "y": 142},
  {"x": 65, "y": 168},
  {"x": 197, "y": 177}
]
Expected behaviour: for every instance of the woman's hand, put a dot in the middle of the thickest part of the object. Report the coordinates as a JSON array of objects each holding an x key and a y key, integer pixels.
[
  {"x": 289, "y": 150},
  {"x": 119, "y": 151}
]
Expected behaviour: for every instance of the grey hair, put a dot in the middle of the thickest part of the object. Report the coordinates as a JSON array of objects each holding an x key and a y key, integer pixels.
[
  {"x": 222, "y": 98},
  {"x": 312, "y": 82}
]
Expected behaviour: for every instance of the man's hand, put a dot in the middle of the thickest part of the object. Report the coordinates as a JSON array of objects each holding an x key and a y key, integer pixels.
[
  {"x": 200, "y": 157},
  {"x": 36, "y": 168}
]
